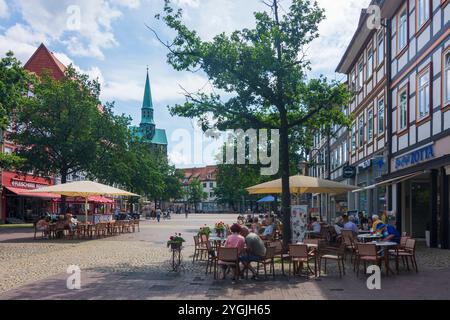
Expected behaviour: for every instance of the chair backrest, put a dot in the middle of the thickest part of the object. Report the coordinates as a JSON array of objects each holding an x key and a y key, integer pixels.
[
  {"x": 270, "y": 252},
  {"x": 204, "y": 238},
  {"x": 403, "y": 240},
  {"x": 298, "y": 250},
  {"x": 410, "y": 245},
  {"x": 196, "y": 242},
  {"x": 367, "y": 249},
  {"x": 227, "y": 254},
  {"x": 278, "y": 246}
]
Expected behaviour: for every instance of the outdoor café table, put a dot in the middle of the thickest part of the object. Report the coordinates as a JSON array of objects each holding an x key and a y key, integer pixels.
[
  {"x": 217, "y": 241},
  {"x": 385, "y": 245},
  {"x": 363, "y": 231},
  {"x": 369, "y": 237}
]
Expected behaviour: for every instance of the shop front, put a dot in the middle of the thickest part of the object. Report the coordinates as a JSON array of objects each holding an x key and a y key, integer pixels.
[
  {"x": 420, "y": 195},
  {"x": 18, "y": 205}
]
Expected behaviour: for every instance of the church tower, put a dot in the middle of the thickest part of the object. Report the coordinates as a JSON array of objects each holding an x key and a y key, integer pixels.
[{"x": 147, "y": 123}]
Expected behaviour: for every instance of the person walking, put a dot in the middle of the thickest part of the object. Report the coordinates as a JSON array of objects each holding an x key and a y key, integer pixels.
[
  {"x": 186, "y": 214},
  {"x": 158, "y": 214}
]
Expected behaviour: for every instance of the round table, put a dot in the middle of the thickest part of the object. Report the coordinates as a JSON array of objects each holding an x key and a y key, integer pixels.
[
  {"x": 367, "y": 237},
  {"x": 385, "y": 245},
  {"x": 217, "y": 241}
]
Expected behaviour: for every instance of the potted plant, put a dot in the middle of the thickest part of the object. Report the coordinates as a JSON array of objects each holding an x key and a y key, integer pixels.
[
  {"x": 205, "y": 230},
  {"x": 175, "y": 242},
  {"x": 220, "y": 228}
]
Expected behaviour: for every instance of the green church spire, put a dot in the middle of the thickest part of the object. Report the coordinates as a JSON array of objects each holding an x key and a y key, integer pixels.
[{"x": 147, "y": 105}]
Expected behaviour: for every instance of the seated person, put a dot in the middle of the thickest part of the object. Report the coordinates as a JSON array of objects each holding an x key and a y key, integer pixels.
[
  {"x": 376, "y": 220},
  {"x": 268, "y": 232},
  {"x": 255, "y": 249},
  {"x": 43, "y": 226},
  {"x": 73, "y": 222},
  {"x": 339, "y": 225},
  {"x": 234, "y": 240},
  {"x": 389, "y": 232},
  {"x": 362, "y": 220},
  {"x": 256, "y": 226},
  {"x": 315, "y": 226},
  {"x": 265, "y": 221},
  {"x": 349, "y": 224}
]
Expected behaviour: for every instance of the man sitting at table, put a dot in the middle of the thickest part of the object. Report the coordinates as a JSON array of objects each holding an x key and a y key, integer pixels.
[
  {"x": 389, "y": 232},
  {"x": 349, "y": 224},
  {"x": 315, "y": 226},
  {"x": 255, "y": 251},
  {"x": 376, "y": 220}
]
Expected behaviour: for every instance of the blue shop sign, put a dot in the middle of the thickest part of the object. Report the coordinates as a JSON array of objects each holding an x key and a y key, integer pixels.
[{"x": 415, "y": 157}]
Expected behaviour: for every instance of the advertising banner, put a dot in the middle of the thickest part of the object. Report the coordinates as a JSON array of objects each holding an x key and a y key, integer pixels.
[{"x": 299, "y": 222}]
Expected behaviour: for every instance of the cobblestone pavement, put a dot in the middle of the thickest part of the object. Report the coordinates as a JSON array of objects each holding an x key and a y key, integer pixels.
[{"x": 137, "y": 266}]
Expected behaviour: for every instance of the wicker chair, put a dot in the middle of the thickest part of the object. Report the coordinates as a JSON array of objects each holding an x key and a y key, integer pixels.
[
  {"x": 409, "y": 251},
  {"x": 268, "y": 259},
  {"x": 337, "y": 255},
  {"x": 367, "y": 253},
  {"x": 199, "y": 250},
  {"x": 226, "y": 258},
  {"x": 299, "y": 255}
]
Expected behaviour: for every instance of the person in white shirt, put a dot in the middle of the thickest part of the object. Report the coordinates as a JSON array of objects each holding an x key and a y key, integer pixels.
[{"x": 338, "y": 225}]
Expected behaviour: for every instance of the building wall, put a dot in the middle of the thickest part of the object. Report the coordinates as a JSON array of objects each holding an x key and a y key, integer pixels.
[{"x": 422, "y": 56}]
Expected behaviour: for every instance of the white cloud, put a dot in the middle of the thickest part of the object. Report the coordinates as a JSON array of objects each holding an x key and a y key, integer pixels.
[
  {"x": 335, "y": 33},
  {"x": 4, "y": 11},
  {"x": 22, "y": 40},
  {"x": 84, "y": 26}
]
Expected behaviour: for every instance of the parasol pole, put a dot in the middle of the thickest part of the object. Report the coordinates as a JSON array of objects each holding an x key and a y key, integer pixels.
[{"x": 86, "y": 209}]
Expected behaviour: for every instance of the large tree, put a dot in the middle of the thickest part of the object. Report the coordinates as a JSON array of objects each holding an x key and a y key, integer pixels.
[
  {"x": 14, "y": 84},
  {"x": 195, "y": 193},
  {"x": 62, "y": 128},
  {"x": 263, "y": 69}
]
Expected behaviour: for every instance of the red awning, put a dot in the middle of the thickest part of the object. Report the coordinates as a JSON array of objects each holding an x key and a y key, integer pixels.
[{"x": 26, "y": 193}]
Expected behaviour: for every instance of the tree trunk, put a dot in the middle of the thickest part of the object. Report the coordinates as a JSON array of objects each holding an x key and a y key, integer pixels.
[
  {"x": 63, "y": 208},
  {"x": 286, "y": 195}
]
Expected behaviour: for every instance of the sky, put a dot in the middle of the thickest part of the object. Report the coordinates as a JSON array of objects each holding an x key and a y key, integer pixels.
[{"x": 109, "y": 40}]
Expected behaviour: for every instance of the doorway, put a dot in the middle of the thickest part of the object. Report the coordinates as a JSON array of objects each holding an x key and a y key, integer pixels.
[{"x": 420, "y": 208}]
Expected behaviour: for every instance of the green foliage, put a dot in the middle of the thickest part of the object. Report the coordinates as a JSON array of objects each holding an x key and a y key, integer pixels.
[
  {"x": 14, "y": 84},
  {"x": 195, "y": 193},
  {"x": 57, "y": 129},
  {"x": 263, "y": 69}
]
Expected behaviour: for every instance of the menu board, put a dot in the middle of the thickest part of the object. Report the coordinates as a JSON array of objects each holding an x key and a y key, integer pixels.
[{"x": 299, "y": 222}]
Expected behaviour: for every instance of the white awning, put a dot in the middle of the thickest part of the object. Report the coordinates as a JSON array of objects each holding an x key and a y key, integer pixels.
[{"x": 391, "y": 181}]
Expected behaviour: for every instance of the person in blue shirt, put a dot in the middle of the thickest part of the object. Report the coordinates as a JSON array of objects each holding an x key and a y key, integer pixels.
[{"x": 389, "y": 232}]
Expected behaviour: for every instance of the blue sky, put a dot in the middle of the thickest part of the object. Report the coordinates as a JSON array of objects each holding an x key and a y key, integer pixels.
[{"x": 112, "y": 43}]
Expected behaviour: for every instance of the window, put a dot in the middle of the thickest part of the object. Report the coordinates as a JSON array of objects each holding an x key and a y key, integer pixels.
[
  {"x": 211, "y": 194},
  {"x": 354, "y": 138},
  {"x": 370, "y": 125},
  {"x": 446, "y": 78},
  {"x": 369, "y": 63},
  {"x": 361, "y": 131},
  {"x": 360, "y": 75},
  {"x": 344, "y": 152},
  {"x": 403, "y": 109},
  {"x": 381, "y": 116},
  {"x": 211, "y": 184},
  {"x": 423, "y": 94},
  {"x": 402, "y": 31},
  {"x": 380, "y": 48},
  {"x": 423, "y": 13},
  {"x": 204, "y": 185},
  {"x": 353, "y": 80},
  {"x": 339, "y": 156}
]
